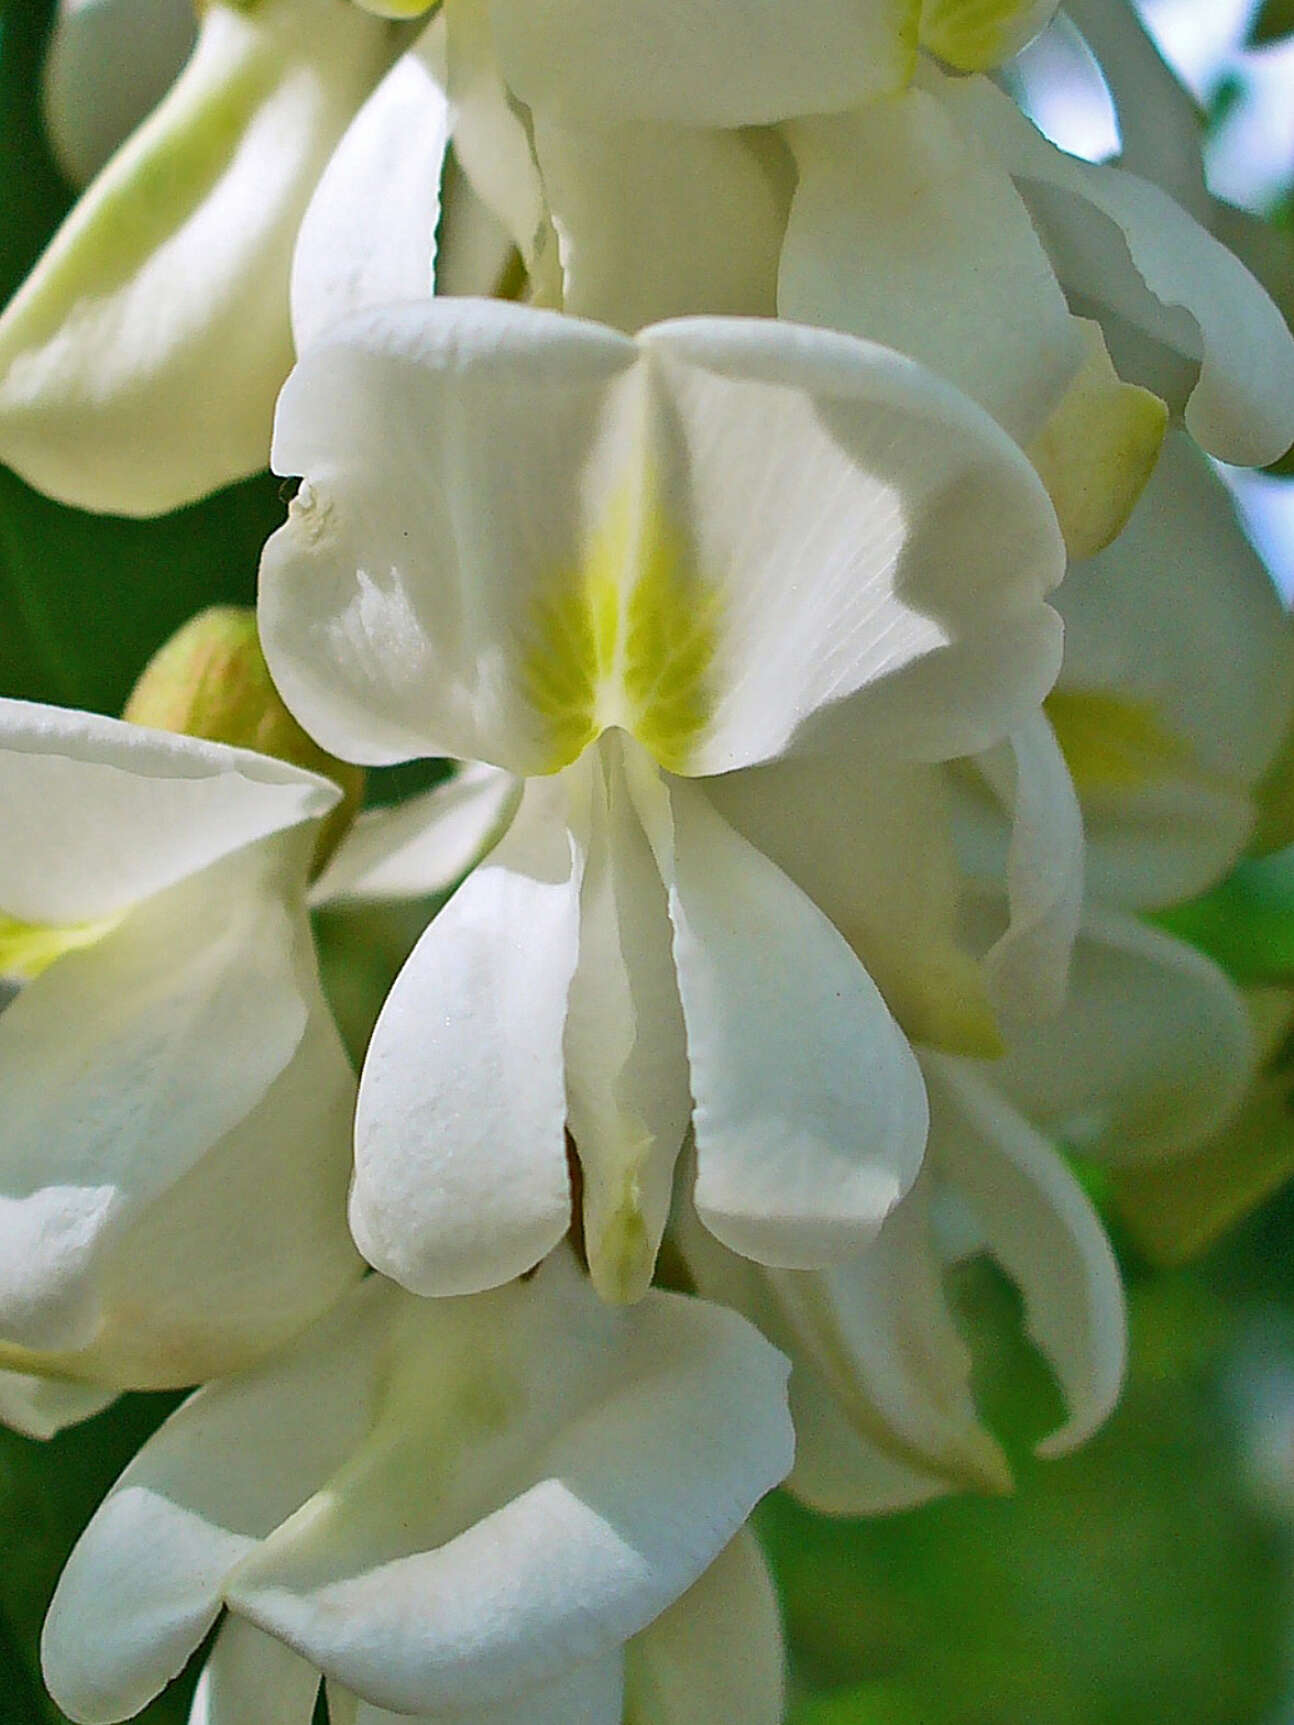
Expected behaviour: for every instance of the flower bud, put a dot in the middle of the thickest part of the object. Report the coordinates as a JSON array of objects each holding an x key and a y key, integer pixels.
[{"x": 211, "y": 680}]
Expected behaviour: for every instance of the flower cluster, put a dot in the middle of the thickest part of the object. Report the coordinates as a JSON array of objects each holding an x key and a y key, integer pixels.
[{"x": 776, "y": 477}]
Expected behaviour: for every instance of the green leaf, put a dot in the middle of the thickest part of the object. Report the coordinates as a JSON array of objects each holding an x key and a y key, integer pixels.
[
  {"x": 1274, "y": 20},
  {"x": 87, "y": 599},
  {"x": 33, "y": 195}
]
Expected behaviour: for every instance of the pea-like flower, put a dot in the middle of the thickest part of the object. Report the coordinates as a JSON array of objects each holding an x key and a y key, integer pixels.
[
  {"x": 175, "y": 1143},
  {"x": 460, "y": 1510},
  {"x": 627, "y": 572}
]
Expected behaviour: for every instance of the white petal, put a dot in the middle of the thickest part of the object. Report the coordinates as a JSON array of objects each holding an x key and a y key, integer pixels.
[
  {"x": 107, "y": 64},
  {"x": 588, "y": 1466},
  {"x": 124, "y": 1064},
  {"x": 726, "y": 64},
  {"x": 140, "y": 361},
  {"x": 658, "y": 221},
  {"x": 40, "y": 1407},
  {"x": 1200, "y": 669},
  {"x": 876, "y": 1337},
  {"x": 1149, "y": 1054},
  {"x": 1126, "y": 246},
  {"x": 856, "y": 525},
  {"x": 1161, "y": 125},
  {"x": 492, "y": 142},
  {"x": 591, "y": 1695},
  {"x": 248, "y": 1247},
  {"x": 869, "y": 839},
  {"x": 369, "y": 233},
  {"x": 1028, "y": 966},
  {"x": 715, "y": 1657},
  {"x": 460, "y": 1166},
  {"x": 423, "y": 846},
  {"x": 626, "y": 1049},
  {"x": 1040, "y": 1226},
  {"x": 100, "y": 814},
  {"x": 142, "y": 1586},
  {"x": 403, "y": 605},
  {"x": 771, "y": 519},
  {"x": 839, "y": 1472},
  {"x": 810, "y": 1115},
  {"x": 904, "y": 230},
  {"x": 250, "y": 1676}
]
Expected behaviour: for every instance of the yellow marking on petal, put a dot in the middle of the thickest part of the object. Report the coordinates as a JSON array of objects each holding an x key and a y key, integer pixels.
[
  {"x": 976, "y": 35},
  {"x": 1115, "y": 742},
  {"x": 627, "y": 639},
  {"x": 1098, "y": 449},
  {"x": 621, "y": 1259},
  {"x": 28, "y": 948}
]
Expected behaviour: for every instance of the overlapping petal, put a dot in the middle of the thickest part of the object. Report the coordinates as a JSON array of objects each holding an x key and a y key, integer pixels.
[
  {"x": 1125, "y": 247},
  {"x": 1040, "y": 1226},
  {"x": 727, "y": 526},
  {"x": 100, "y": 814},
  {"x": 125, "y": 1062},
  {"x": 810, "y": 1116},
  {"x": 1150, "y": 1053},
  {"x": 460, "y": 1165},
  {"x": 369, "y": 232},
  {"x": 140, "y": 361},
  {"x": 589, "y": 1467}
]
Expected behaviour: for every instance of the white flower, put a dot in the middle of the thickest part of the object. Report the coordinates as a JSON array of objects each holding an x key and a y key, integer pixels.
[
  {"x": 1176, "y": 689},
  {"x": 140, "y": 360},
  {"x": 174, "y": 1146},
  {"x": 454, "y": 1509},
  {"x": 1174, "y": 695},
  {"x": 617, "y": 569},
  {"x": 108, "y": 64},
  {"x": 713, "y": 1657}
]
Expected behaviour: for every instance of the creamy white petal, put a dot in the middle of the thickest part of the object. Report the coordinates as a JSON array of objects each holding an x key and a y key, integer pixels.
[
  {"x": 1149, "y": 1054},
  {"x": 869, "y": 839},
  {"x": 905, "y": 231},
  {"x": 715, "y": 1657},
  {"x": 143, "y": 1585},
  {"x": 251, "y": 1676},
  {"x": 100, "y": 814},
  {"x": 140, "y": 361},
  {"x": 625, "y": 1044},
  {"x": 244, "y": 1250},
  {"x": 39, "y": 1407},
  {"x": 1027, "y": 967},
  {"x": 1123, "y": 244},
  {"x": 1178, "y": 632},
  {"x": 1040, "y": 1226},
  {"x": 856, "y": 523},
  {"x": 658, "y": 221},
  {"x": 492, "y": 142},
  {"x": 839, "y": 1472},
  {"x": 369, "y": 233},
  {"x": 1161, "y": 125},
  {"x": 124, "y": 1063},
  {"x": 809, "y": 1115},
  {"x": 107, "y": 64},
  {"x": 767, "y": 519},
  {"x": 590, "y": 1465},
  {"x": 404, "y": 604},
  {"x": 591, "y": 1695},
  {"x": 423, "y": 845},
  {"x": 460, "y": 1165},
  {"x": 880, "y": 1385},
  {"x": 732, "y": 63}
]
